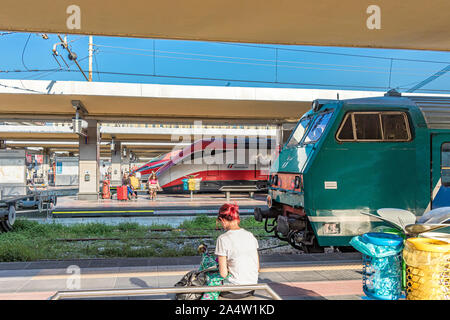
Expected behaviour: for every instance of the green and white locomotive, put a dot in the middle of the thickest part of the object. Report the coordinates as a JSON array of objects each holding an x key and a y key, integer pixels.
[{"x": 347, "y": 157}]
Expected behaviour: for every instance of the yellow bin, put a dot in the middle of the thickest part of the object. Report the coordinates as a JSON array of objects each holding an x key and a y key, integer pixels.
[{"x": 427, "y": 269}]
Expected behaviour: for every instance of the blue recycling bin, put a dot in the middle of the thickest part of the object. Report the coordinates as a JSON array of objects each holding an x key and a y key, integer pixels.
[
  {"x": 382, "y": 264},
  {"x": 185, "y": 184}
]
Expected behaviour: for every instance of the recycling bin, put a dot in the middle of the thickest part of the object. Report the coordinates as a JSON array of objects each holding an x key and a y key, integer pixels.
[
  {"x": 194, "y": 184},
  {"x": 185, "y": 184},
  {"x": 401, "y": 234},
  {"x": 382, "y": 264},
  {"x": 427, "y": 269}
]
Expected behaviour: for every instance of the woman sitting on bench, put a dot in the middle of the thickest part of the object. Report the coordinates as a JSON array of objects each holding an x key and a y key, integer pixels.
[{"x": 237, "y": 251}]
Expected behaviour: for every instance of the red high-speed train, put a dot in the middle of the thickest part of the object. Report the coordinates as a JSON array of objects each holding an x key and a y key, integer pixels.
[
  {"x": 155, "y": 164},
  {"x": 217, "y": 162}
]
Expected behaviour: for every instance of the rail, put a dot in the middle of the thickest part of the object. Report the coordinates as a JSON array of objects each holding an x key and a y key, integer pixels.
[{"x": 158, "y": 291}]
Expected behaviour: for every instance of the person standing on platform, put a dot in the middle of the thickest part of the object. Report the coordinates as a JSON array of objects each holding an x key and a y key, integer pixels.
[
  {"x": 103, "y": 172},
  {"x": 134, "y": 182},
  {"x": 153, "y": 185},
  {"x": 109, "y": 171},
  {"x": 126, "y": 182}
]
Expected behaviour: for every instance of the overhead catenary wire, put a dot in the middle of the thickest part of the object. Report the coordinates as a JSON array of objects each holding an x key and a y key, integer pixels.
[
  {"x": 247, "y": 60},
  {"x": 23, "y": 51},
  {"x": 388, "y": 71},
  {"x": 276, "y": 64},
  {"x": 381, "y": 88},
  {"x": 276, "y": 61},
  {"x": 335, "y": 53},
  {"x": 96, "y": 65},
  {"x": 302, "y": 84},
  {"x": 286, "y": 49},
  {"x": 48, "y": 72}
]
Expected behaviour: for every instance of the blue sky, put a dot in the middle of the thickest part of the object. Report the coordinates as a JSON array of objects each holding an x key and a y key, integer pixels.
[{"x": 224, "y": 64}]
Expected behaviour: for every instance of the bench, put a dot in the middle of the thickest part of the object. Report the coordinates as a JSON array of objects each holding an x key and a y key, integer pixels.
[
  {"x": 228, "y": 189},
  {"x": 108, "y": 293}
]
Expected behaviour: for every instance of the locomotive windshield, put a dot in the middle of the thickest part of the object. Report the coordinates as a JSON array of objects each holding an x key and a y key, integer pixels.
[
  {"x": 312, "y": 135},
  {"x": 297, "y": 136},
  {"x": 318, "y": 127}
]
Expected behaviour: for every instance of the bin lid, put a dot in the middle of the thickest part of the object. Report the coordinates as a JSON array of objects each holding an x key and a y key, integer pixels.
[
  {"x": 382, "y": 239},
  {"x": 393, "y": 231},
  {"x": 430, "y": 245}
]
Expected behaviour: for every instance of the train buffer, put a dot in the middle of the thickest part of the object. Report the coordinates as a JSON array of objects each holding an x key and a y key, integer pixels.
[{"x": 228, "y": 190}]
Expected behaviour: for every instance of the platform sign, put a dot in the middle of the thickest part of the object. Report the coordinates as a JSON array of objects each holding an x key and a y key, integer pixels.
[
  {"x": 12, "y": 172},
  {"x": 12, "y": 166},
  {"x": 66, "y": 171},
  {"x": 59, "y": 166}
]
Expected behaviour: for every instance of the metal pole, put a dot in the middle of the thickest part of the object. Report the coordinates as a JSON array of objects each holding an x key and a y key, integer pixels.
[{"x": 90, "y": 57}]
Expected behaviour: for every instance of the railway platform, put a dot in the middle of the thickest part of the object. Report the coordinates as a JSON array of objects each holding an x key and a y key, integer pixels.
[
  {"x": 165, "y": 205},
  {"x": 327, "y": 276}
]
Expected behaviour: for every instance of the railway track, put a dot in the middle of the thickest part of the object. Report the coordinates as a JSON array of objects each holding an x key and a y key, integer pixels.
[
  {"x": 172, "y": 238},
  {"x": 148, "y": 238},
  {"x": 199, "y": 236},
  {"x": 179, "y": 237}
]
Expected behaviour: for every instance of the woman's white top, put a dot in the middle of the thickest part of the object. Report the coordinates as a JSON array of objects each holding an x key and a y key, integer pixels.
[{"x": 241, "y": 249}]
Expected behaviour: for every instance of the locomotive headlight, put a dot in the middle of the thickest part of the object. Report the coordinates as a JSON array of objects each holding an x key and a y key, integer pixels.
[
  {"x": 275, "y": 180},
  {"x": 269, "y": 201},
  {"x": 297, "y": 183}
]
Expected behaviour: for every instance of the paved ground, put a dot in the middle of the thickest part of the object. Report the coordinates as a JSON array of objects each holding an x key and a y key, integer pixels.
[{"x": 299, "y": 277}]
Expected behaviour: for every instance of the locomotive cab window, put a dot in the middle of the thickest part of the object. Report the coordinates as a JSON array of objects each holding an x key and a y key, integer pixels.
[
  {"x": 445, "y": 164},
  {"x": 374, "y": 126},
  {"x": 367, "y": 126},
  {"x": 297, "y": 136},
  {"x": 346, "y": 132},
  {"x": 394, "y": 127},
  {"x": 318, "y": 127}
]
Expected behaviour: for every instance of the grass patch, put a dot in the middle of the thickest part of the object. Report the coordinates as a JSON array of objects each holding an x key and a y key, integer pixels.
[{"x": 30, "y": 240}]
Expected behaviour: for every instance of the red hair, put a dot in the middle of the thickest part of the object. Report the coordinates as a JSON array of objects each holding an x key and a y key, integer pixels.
[{"x": 229, "y": 212}]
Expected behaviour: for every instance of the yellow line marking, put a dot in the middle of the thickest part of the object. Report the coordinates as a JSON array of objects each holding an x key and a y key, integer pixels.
[
  {"x": 183, "y": 272},
  {"x": 104, "y": 211}
]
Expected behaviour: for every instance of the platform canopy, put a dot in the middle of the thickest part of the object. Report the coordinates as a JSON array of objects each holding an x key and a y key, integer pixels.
[
  {"x": 107, "y": 101},
  {"x": 412, "y": 24}
]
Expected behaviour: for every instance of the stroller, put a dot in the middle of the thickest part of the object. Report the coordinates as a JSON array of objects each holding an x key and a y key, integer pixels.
[{"x": 207, "y": 274}]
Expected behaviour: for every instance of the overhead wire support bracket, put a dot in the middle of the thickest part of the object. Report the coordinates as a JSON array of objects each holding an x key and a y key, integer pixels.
[
  {"x": 79, "y": 125},
  {"x": 72, "y": 56}
]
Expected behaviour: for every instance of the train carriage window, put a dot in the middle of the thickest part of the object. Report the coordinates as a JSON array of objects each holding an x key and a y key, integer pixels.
[
  {"x": 368, "y": 126},
  {"x": 445, "y": 164}
]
